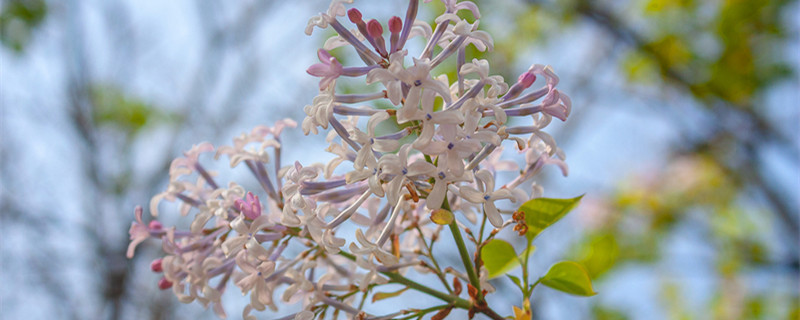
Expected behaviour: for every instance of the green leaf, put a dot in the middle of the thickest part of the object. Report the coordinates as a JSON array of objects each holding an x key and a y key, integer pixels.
[
  {"x": 120, "y": 111},
  {"x": 18, "y": 21},
  {"x": 499, "y": 257},
  {"x": 383, "y": 295},
  {"x": 541, "y": 213},
  {"x": 515, "y": 280},
  {"x": 569, "y": 277}
]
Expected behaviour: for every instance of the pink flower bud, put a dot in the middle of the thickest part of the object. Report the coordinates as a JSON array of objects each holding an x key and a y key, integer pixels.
[
  {"x": 374, "y": 28},
  {"x": 354, "y": 15},
  {"x": 164, "y": 284},
  {"x": 526, "y": 79},
  {"x": 156, "y": 265},
  {"x": 395, "y": 24},
  {"x": 155, "y": 225}
]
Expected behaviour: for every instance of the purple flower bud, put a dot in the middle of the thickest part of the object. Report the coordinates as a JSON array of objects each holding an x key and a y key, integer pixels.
[
  {"x": 156, "y": 265},
  {"x": 374, "y": 28},
  {"x": 395, "y": 24},
  {"x": 164, "y": 284},
  {"x": 375, "y": 31},
  {"x": 354, "y": 15},
  {"x": 526, "y": 79},
  {"x": 155, "y": 225},
  {"x": 250, "y": 207}
]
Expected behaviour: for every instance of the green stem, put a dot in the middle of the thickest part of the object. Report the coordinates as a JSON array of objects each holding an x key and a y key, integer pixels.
[
  {"x": 397, "y": 278},
  {"x": 422, "y": 312},
  {"x": 456, "y": 301},
  {"x": 438, "y": 272},
  {"x": 462, "y": 250}
]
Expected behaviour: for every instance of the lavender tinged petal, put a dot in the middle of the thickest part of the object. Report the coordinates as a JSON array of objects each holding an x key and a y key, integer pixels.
[
  {"x": 470, "y": 94},
  {"x": 228, "y": 265},
  {"x": 396, "y": 136},
  {"x": 367, "y": 55},
  {"x": 344, "y": 215},
  {"x": 533, "y": 96},
  {"x": 190, "y": 201},
  {"x": 522, "y": 130},
  {"x": 266, "y": 185},
  {"x": 387, "y": 229},
  {"x": 342, "y": 132},
  {"x": 283, "y": 269},
  {"x": 437, "y": 34},
  {"x": 322, "y": 185},
  {"x": 278, "y": 163},
  {"x": 461, "y": 60},
  {"x": 411, "y": 15},
  {"x": 524, "y": 111},
  {"x": 264, "y": 237},
  {"x": 277, "y": 253},
  {"x": 448, "y": 51},
  {"x": 335, "y": 287},
  {"x": 513, "y": 92},
  {"x": 337, "y": 304},
  {"x": 381, "y": 215},
  {"x": 358, "y": 71},
  {"x": 263, "y": 171},
  {"x": 356, "y": 98},
  {"x": 486, "y": 151},
  {"x": 205, "y": 175},
  {"x": 176, "y": 233},
  {"x": 337, "y": 196},
  {"x": 348, "y": 111}
]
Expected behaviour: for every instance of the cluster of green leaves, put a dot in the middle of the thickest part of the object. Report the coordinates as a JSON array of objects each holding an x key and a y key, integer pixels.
[
  {"x": 121, "y": 111},
  {"x": 500, "y": 257},
  {"x": 708, "y": 201},
  {"x": 18, "y": 19}
]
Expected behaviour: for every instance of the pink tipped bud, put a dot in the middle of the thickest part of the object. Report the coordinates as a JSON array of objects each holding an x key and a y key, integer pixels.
[
  {"x": 354, "y": 15},
  {"x": 395, "y": 24},
  {"x": 164, "y": 284},
  {"x": 375, "y": 29},
  {"x": 526, "y": 79},
  {"x": 156, "y": 265},
  {"x": 155, "y": 225}
]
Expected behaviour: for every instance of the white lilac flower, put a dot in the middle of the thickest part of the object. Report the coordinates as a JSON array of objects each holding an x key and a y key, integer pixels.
[
  {"x": 445, "y": 144},
  {"x": 487, "y": 195},
  {"x": 397, "y": 170}
]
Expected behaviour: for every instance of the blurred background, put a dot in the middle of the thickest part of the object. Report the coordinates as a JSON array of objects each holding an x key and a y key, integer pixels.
[{"x": 684, "y": 138}]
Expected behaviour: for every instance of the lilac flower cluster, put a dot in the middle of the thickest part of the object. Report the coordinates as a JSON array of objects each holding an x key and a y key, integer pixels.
[
  {"x": 463, "y": 133},
  {"x": 444, "y": 153}
]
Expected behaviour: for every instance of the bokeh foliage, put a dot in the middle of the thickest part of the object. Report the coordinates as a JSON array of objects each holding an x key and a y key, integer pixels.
[
  {"x": 725, "y": 58},
  {"x": 18, "y": 19}
]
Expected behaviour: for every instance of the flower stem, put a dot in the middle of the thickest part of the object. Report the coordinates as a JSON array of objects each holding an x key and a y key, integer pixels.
[
  {"x": 462, "y": 250},
  {"x": 397, "y": 278}
]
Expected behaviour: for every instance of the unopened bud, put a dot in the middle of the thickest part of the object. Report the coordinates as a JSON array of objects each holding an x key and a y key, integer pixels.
[
  {"x": 156, "y": 265},
  {"x": 374, "y": 28},
  {"x": 395, "y": 24},
  {"x": 164, "y": 284},
  {"x": 526, "y": 79},
  {"x": 354, "y": 15},
  {"x": 155, "y": 225}
]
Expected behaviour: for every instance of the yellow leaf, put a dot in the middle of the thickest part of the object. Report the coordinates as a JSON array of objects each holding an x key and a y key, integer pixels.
[
  {"x": 520, "y": 314},
  {"x": 442, "y": 216}
]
